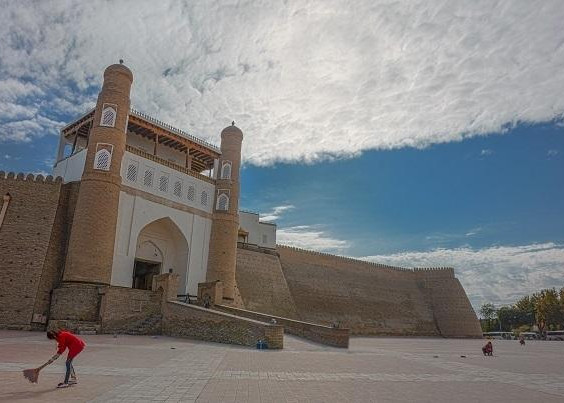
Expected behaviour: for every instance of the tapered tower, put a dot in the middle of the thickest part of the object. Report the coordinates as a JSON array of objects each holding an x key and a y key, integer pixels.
[
  {"x": 223, "y": 242},
  {"x": 91, "y": 243}
]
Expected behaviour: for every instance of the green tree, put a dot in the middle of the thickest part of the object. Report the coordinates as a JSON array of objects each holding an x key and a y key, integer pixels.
[
  {"x": 487, "y": 312},
  {"x": 525, "y": 304},
  {"x": 511, "y": 317}
]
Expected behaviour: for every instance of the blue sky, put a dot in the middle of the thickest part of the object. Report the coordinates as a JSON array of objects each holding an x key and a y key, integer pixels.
[
  {"x": 497, "y": 189},
  {"x": 412, "y": 133}
]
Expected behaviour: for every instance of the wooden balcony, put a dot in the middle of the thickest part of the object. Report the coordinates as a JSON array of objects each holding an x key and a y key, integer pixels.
[{"x": 169, "y": 164}]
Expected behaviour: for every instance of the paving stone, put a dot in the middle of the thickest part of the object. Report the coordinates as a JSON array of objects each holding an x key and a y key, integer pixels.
[{"x": 140, "y": 368}]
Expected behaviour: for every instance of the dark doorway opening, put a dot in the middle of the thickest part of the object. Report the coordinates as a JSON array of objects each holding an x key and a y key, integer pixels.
[{"x": 143, "y": 272}]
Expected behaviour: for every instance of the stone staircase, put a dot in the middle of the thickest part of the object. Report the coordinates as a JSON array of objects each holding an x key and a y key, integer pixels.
[
  {"x": 150, "y": 325},
  {"x": 75, "y": 326}
]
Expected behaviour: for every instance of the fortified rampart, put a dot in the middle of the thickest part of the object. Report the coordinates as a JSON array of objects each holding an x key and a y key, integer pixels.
[
  {"x": 262, "y": 285},
  {"x": 368, "y": 298},
  {"x": 33, "y": 239}
]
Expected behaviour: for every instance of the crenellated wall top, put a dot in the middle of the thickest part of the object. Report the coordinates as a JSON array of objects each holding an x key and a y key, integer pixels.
[
  {"x": 30, "y": 177},
  {"x": 419, "y": 271}
]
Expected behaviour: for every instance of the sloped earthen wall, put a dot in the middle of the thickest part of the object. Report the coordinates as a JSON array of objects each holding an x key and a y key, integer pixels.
[
  {"x": 262, "y": 285},
  {"x": 368, "y": 299},
  {"x": 451, "y": 307}
]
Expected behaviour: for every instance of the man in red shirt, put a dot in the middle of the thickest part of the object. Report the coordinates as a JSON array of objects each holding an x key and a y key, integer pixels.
[{"x": 75, "y": 345}]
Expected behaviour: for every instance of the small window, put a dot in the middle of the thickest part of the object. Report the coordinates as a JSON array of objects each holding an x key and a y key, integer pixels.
[
  {"x": 103, "y": 159},
  {"x": 264, "y": 239},
  {"x": 177, "y": 189},
  {"x": 132, "y": 172},
  {"x": 222, "y": 202},
  {"x": 163, "y": 183},
  {"x": 226, "y": 170},
  {"x": 109, "y": 114},
  {"x": 204, "y": 198},
  {"x": 191, "y": 193},
  {"x": 148, "y": 179}
]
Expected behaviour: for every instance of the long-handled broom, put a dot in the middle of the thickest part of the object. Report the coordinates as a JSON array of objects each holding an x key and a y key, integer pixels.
[{"x": 32, "y": 374}]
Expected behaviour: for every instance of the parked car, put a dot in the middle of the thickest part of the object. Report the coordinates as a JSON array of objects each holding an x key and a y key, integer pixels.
[
  {"x": 499, "y": 335},
  {"x": 555, "y": 335}
]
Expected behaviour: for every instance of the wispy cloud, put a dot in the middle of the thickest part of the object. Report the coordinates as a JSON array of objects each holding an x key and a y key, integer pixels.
[
  {"x": 486, "y": 152},
  {"x": 310, "y": 237},
  {"x": 473, "y": 232},
  {"x": 552, "y": 153},
  {"x": 319, "y": 79},
  {"x": 276, "y": 212},
  {"x": 497, "y": 274}
]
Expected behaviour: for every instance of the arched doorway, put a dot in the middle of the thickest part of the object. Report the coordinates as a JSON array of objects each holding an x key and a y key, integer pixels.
[
  {"x": 148, "y": 263},
  {"x": 161, "y": 248}
]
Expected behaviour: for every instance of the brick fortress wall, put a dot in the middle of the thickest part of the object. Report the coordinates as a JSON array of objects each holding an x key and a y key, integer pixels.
[
  {"x": 368, "y": 298},
  {"x": 262, "y": 285},
  {"x": 451, "y": 307},
  {"x": 131, "y": 311},
  {"x": 32, "y": 245}
]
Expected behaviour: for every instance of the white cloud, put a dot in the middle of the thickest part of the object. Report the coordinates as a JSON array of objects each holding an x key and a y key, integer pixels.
[
  {"x": 305, "y": 80},
  {"x": 497, "y": 274},
  {"x": 40, "y": 172},
  {"x": 310, "y": 237},
  {"x": 474, "y": 231},
  {"x": 552, "y": 153},
  {"x": 486, "y": 152},
  {"x": 275, "y": 213}
]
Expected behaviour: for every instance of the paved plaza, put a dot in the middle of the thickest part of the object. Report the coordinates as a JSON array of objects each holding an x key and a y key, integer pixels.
[{"x": 145, "y": 368}]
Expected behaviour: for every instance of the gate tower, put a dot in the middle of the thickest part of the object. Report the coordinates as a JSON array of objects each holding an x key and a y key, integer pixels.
[
  {"x": 91, "y": 243},
  {"x": 225, "y": 225}
]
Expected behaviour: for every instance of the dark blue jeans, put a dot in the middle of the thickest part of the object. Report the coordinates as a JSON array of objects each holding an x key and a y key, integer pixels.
[{"x": 70, "y": 370}]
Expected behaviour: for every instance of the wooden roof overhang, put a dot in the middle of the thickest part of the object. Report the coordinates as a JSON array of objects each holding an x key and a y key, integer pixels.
[
  {"x": 80, "y": 126},
  {"x": 202, "y": 154}
]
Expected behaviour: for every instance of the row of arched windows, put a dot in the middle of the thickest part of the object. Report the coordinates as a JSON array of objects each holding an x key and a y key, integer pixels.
[{"x": 164, "y": 184}]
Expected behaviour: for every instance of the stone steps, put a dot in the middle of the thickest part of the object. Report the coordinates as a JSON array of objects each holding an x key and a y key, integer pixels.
[{"x": 75, "y": 326}]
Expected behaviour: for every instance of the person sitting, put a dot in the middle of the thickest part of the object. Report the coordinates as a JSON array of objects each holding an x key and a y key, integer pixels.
[{"x": 488, "y": 348}]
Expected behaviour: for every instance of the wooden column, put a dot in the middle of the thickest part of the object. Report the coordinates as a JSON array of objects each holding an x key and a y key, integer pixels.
[
  {"x": 74, "y": 142},
  {"x": 156, "y": 144},
  {"x": 188, "y": 159}
]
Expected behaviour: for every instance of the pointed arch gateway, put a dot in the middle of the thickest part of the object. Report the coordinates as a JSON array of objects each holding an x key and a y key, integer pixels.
[{"x": 161, "y": 248}]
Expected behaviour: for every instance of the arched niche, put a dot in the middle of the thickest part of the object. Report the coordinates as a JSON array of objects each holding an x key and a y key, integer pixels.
[{"x": 161, "y": 248}]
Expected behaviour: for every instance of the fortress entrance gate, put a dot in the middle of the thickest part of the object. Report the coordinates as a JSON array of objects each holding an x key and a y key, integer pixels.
[{"x": 161, "y": 248}]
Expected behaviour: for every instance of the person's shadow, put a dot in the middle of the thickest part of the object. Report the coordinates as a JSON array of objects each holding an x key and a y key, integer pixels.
[{"x": 25, "y": 394}]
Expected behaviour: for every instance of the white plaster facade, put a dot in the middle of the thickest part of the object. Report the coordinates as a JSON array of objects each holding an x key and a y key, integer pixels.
[
  {"x": 71, "y": 168},
  {"x": 180, "y": 187},
  {"x": 151, "y": 231},
  {"x": 182, "y": 239},
  {"x": 262, "y": 234}
]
